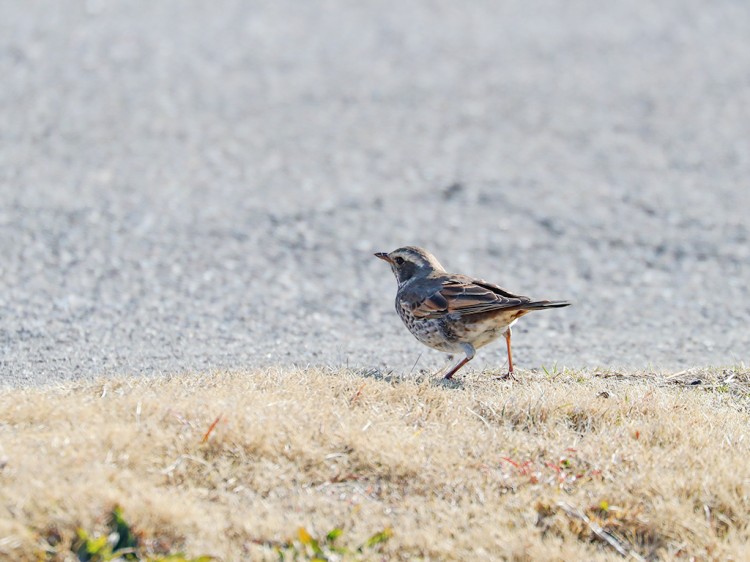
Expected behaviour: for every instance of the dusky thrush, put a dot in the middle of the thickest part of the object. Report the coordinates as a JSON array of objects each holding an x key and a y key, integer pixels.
[{"x": 452, "y": 312}]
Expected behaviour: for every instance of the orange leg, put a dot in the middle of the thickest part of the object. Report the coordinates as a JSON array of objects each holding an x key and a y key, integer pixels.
[
  {"x": 510, "y": 355},
  {"x": 510, "y": 358},
  {"x": 469, "y": 350},
  {"x": 460, "y": 364}
]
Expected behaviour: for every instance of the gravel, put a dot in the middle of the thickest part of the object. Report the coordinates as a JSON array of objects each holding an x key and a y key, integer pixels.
[{"x": 199, "y": 186}]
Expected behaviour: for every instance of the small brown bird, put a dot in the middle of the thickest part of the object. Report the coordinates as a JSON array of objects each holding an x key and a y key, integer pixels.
[{"x": 452, "y": 312}]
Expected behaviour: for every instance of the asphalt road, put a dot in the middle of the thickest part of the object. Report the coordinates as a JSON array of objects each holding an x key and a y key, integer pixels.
[{"x": 197, "y": 186}]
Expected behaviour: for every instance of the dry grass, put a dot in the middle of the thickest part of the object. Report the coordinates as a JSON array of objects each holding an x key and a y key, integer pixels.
[{"x": 561, "y": 466}]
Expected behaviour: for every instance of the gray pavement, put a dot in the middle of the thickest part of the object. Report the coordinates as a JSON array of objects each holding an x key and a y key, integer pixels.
[{"x": 189, "y": 186}]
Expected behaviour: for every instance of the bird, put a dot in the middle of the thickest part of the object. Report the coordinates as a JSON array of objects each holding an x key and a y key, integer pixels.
[{"x": 451, "y": 312}]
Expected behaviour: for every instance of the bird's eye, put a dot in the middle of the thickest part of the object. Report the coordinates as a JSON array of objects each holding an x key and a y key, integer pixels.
[{"x": 399, "y": 261}]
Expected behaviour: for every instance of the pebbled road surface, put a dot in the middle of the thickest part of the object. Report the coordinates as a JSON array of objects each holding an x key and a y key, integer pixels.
[{"x": 189, "y": 186}]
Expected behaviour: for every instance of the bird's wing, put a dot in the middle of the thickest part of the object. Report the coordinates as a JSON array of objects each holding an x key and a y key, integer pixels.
[{"x": 463, "y": 295}]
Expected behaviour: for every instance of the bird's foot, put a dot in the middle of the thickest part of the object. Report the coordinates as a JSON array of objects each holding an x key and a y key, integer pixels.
[{"x": 507, "y": 376}]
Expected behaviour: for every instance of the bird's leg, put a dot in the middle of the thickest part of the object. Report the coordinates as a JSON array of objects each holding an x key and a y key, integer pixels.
[
  {"x": 469, "y": 349},
  {"x": 510, "y": 357},
  {"x": 460, "y": 364}
]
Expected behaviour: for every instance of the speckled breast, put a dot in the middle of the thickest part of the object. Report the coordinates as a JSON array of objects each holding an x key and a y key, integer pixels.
[{"x": 433, "y": 332}]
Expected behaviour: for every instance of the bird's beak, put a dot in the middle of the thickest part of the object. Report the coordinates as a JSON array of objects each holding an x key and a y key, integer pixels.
[{"x": 383, "y": 256}]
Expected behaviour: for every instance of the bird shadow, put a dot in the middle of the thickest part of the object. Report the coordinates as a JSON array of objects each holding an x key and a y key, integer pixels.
[
  {"x": 390, "y": 376},
  {"x": 378, "y": 374},
  {"x": 456, "y": 384}
]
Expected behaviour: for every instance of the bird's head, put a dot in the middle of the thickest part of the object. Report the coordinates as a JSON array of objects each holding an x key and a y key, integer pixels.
[{"x": 411, "y": 262}]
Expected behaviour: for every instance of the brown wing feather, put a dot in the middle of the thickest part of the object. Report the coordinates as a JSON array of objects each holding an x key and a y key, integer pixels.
[{"x": 466, "y": 296}]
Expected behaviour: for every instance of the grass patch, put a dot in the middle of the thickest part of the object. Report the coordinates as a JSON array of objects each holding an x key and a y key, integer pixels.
[{"x": 564, "y": 465}]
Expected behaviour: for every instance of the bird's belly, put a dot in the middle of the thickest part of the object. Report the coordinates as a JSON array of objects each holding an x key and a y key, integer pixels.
[
  {"x": 488, "y": 335},
  {"x": 484, "y": 331}
]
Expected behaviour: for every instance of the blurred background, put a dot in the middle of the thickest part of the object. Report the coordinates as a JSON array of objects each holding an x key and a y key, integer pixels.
[{"x": 190, "y": 186}]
